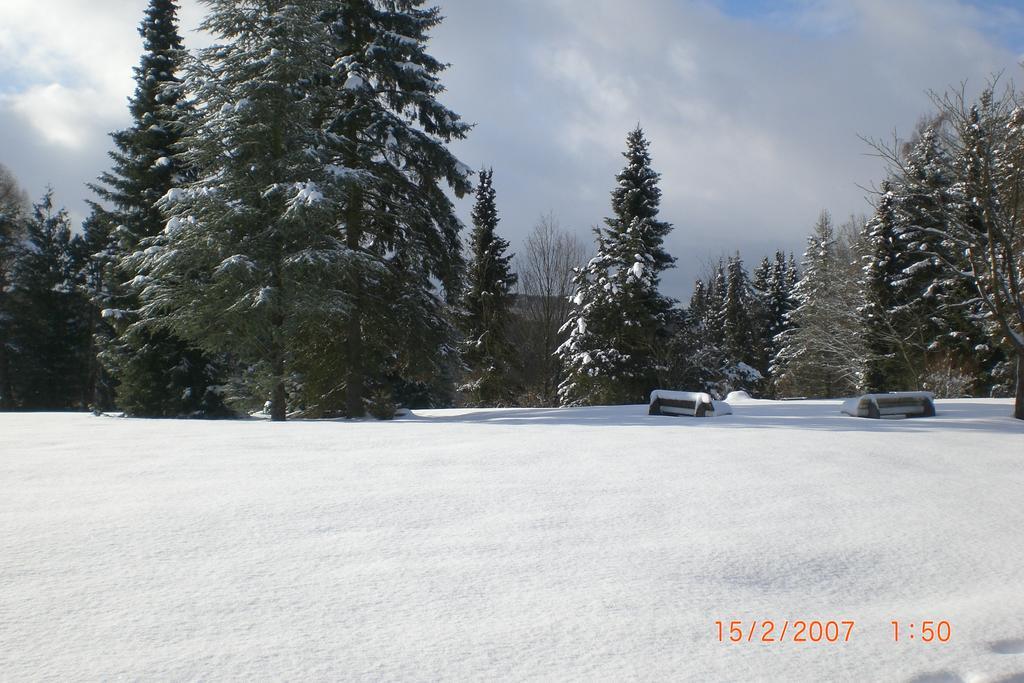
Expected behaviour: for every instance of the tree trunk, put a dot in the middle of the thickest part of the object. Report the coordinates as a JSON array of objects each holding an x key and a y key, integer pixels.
[
  {"x": 279, "y": 402},
  {"x": 1018, "y": 405},
  {"x": 6, "y": 400},
  {"x": 354, "y": 377},
  {"x": 278, "y": 397}
]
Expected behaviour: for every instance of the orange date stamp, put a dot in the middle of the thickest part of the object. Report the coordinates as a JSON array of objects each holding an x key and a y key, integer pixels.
[
  {"x": 825, "y": 631},
  {"x": 786, "y": 631}
]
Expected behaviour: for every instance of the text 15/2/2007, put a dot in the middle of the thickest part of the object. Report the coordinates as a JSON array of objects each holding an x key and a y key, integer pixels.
[{"x": 824, "y": 631}]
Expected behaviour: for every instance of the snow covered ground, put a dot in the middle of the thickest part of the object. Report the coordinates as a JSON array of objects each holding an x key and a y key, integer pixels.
[{"x": 582, "y": 544}]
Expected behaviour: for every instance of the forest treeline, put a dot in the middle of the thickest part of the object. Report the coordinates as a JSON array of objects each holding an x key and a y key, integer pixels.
[{"x": 276, "y": 232}]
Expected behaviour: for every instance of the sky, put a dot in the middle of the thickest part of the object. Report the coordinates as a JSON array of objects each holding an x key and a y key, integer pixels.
[{"x": 755, "y": 110}]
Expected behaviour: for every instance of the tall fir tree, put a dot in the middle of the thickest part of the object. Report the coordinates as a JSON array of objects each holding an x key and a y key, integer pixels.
[
  {"x": 936, "y": 315},
  {"x": 620, "y": 320},
  {"x": 885, "y": 369},
  {"x": 486, "y": 304},
  {"x": 393, "y": 133},
  {"x": 310, "y": 247},
  {"x": 158, "y": 373}
]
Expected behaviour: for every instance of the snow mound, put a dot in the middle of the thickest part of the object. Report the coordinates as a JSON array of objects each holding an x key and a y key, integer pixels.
[
  {"x": 738, "y": 397},
  {"x": 721, "y": 408}
]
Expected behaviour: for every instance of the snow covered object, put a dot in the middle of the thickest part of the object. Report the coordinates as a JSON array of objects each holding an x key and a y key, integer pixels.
[
  {"x": 486, "y": 303},
  {"x": 897, "y": 404},
  {"x": 688, "y": 403},
  {"x": 619, "y": 320}
]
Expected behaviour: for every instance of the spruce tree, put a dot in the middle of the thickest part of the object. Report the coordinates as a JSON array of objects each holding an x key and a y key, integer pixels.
[
  {"x": 97, "y": 261},
  {"x": 391, "y": 134},
  {"x": 13, "y": 203},
  {"x": 821, "y": 352},
  {"x": 49, "y": 332},
  {"x": 936, "y": 316},
  {"x": 714, "y": 313},
  {"x": 311, "y": 238},
  {"x": 883, "y": 327},
  {"x": 486, "y": 304},
  {"x": 145, "y": 359},
  {"x": 697, "y": 348},
  {"x": 620, "y": 320},
  {"x": 761, "y": 316},
  {"x": 780, "y": 302},
  {"x": 738, "y": 327}
]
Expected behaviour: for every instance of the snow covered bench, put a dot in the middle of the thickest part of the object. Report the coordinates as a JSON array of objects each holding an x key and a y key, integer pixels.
[
  {"x": 694, "y": 404},
  {"x": 896, "y": 404}
]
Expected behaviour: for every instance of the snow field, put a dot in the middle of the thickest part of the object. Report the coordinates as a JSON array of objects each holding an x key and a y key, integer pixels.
[{"x": 574, "y": 544}]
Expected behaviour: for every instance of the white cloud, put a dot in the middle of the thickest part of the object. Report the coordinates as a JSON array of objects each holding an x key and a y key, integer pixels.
[
  {"x": 60, "y": 115},
  {"x": 753, "y": 119}
]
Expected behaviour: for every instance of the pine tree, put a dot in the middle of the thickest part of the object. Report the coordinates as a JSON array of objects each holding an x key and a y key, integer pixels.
[
  {"x": 145, "y": 359},
  {"x": 620, "y": 321},
  {"x": 883, "y": 328},
  {"x": 50, "y": 333},
  {"x": 310, "y": 247},
  {"x": 392, "y": 134},
  {"x": 714, "y": 312},
  {"x": 12, "y": 231},
  {"x": 821, "y": 352},
  {"x": 937, "y": 317},
  {"x": 738, "y": 328},
  {"x": 486, "y": 304},
  {"x": 761, "y": 316},
  {"x": 96, "y": 265},
  {"x": 698, "y": 356}
]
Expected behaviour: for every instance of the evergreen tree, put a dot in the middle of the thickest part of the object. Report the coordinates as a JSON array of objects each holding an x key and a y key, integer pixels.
[
  {"x": 821, "y": 352},
  {"x": 144, "y": 358},
  {"x": 12, "y": 231},
  {"x": 737, "y": 327},
  {"x": 620, "y": 322},
  {"x": 50, "y": 335},
  {"x": 391, "y": 133},
  {"x": 96, "y": 262},
  {"x": 937, "y": 317},
  {"x": 884, "y": 328},
  {"x": 310, "y": 240},
  {"x": 714, "y": 312},
  {"x": 779, "y": 303},
  {"x": 486, "y": 304},
  {"x": 761, "y": 316},
  {"x": 698, "y": 356}
]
